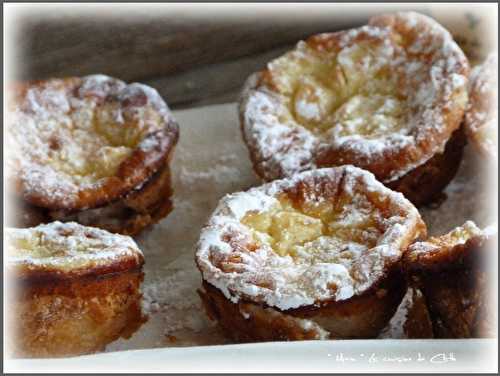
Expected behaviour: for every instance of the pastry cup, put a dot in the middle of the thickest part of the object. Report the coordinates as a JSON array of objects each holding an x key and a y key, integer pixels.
[
  {"x": 452, "y": 273},
  {"x": 137, "y": 210},
  {"x": 84, "y": 143},
  {"x": 386, "y": 97},
  {"x": 313, "y": 256},
  {"x": 481, "y": 118},
  {"x": 72, "y": 289}
]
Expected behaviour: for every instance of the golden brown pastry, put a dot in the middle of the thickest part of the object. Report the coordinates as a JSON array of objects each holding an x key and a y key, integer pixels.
[
  {"x": 388, "y": 97},
  {"x": 310, "y": 257},
  {"x": 451, "y": 271},
  {"x": 93, "y": 150},
  {"x": 481, "y": 119},
  {"x": 71, "y": 289}
]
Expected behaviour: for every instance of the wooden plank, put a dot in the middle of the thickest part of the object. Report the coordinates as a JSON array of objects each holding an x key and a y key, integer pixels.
[
  {"x": 149, "y": 46},
  {"x": 211, "y": 84},
  {"x": 193, "y": 55}
]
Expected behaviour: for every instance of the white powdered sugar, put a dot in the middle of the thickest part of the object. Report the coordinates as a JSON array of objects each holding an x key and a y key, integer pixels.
[
  {"x": 243, "y": 202},
  {"x": 457, "y": 236},
  {"x": 280, "y": 147},
  {"x": 291, "y": 119},
  {"x": 169, "y": 295},
  {"x": 67, "y": 247},
  {"x": 229, "y": 258},
  {"x": 65, "y": 136}
]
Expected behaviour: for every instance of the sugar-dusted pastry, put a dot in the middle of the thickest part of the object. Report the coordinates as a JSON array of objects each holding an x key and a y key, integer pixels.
[
  {"x": 93, "y": 150},
  {"x": 388, "y": 97},
  {"x": 71, "y": 289},
  {"x": 309, "y": 257},
  {"x": 481, "y": 119},
  {"x": 452, "y": 271}
]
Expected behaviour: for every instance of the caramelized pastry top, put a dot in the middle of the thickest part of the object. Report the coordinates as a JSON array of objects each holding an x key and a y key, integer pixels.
[
  {"x": 482, "y": 114},
  {"x": 63, "y": 250},
  {"x": 449, "y": 250},
  {"x": 385, "y": 97},
  {"x": 78, "y": 143},
  {"x": 322, "y": 235}
]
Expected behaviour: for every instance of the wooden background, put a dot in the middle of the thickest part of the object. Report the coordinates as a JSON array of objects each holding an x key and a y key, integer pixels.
[{"x": 193, "y": 55}]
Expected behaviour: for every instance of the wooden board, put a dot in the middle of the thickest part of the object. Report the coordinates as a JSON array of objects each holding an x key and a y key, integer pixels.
[{"x": 192, "y": 55}]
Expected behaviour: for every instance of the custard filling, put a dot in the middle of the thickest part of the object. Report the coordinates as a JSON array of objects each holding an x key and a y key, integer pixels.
[
  {"x": 83, "y": 140},
  {"x": 352, "y": 92},
  {"x": 316, "y": 231}
]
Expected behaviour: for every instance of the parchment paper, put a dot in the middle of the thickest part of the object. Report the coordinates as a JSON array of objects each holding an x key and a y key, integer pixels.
[{"x": 210, "y": 161}]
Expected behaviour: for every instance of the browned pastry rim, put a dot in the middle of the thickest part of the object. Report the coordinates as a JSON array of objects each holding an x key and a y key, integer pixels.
[
  {"x": 63, "y": 252},
  {"x": 158, "y": 137},
  {"x": 132, "y": 214},
  {"x": 360, "y": 317},
  {"x": 425, "y": 183},
  {"x": 128, "y": 216},
  {"x": 452, "y": 275},
  {"x": 447, "y": 254},
  {"x": 281, "y": 145}
]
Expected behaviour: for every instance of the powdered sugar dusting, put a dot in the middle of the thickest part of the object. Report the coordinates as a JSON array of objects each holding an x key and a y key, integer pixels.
[
  {"x": 380, "y": 100},
  {"x": 169, "y": 295},
  {"x": 68, "y": 135},
  {"x": 281, "y": 147},
  {"x": 228, "y": 260},
  {"x": 67, "y": 247},
  {"x": 458, "y": 235}
]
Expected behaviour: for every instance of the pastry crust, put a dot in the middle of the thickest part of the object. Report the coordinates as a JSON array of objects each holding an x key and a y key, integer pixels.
[
  {"x": 481, "y": 118},
  {"x": 425, "y": 183},
  {"x": 73, "y": 289},
  {"x": 451, "y": 271},
  {"x": 128, "y": 216},
  {"x": 385, "y": 97},
  {"x": 359, "y": 317},
  {"x": 322, "y": 246},
  {"x": 84, "y": 143}
]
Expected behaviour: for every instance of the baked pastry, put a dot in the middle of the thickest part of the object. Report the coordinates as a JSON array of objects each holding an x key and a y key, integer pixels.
[
  {"x": 93, "y": 150},
  {"x": 388, "y": 97},
  {"x": 481, "y": 118},
  {"x": 451, "y": 271},
  {"x": 72, "y": 289},
  {"x": 309, "y": 257}
]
